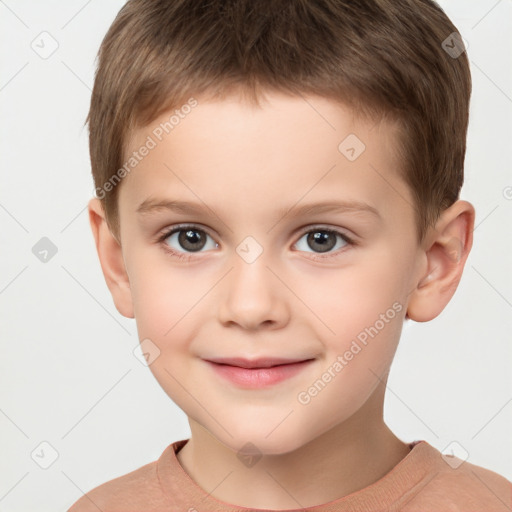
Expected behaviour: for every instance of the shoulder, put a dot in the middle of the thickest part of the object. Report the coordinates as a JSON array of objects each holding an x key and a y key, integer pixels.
[
  {"x": 133, "y": 491},
  {"x": 456, "y": 485}
]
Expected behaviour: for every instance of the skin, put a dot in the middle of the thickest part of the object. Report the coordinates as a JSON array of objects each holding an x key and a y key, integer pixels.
[{"x": 246, "y": 163}]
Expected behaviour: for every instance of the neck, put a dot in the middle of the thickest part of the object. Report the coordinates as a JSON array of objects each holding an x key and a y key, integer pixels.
[{"x": 343, "y": 460}]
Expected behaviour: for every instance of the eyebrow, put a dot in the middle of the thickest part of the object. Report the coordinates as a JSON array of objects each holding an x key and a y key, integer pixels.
[{"x": 151, "y": 205}]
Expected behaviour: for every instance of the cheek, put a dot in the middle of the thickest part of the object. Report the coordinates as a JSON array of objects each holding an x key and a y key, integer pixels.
[
  {"x": 345, "y": 301},
  {"x": 166, "y": 296},
  {"x": 357, "y": 359},
  {"x": 167, "y": 302},
  {"x": 362, "y": 317}
]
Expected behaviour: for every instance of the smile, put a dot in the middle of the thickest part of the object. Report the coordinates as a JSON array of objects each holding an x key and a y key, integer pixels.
[{"x": 255, "y": 378}]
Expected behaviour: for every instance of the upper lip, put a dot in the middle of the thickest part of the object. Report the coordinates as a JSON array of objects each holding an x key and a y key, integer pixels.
[{"x": 262, "y": 362}]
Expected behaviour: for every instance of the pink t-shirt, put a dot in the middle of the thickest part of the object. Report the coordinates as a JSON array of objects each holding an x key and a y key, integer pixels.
[{"x": 423, "y": 481}]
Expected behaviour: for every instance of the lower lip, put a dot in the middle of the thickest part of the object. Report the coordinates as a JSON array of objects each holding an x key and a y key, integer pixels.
[{"x": 258, "y": 377}]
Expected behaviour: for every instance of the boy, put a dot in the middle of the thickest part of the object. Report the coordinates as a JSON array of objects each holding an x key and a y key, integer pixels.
[{"x": 313, "y": 150}]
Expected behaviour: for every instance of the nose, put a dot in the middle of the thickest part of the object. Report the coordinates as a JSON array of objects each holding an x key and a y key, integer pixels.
[{"x": 252, "y": 297}]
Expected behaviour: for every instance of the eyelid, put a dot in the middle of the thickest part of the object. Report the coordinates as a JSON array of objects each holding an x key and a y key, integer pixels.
[
  {"x": 325, "y": 227},
  {"x": 167, "y": 231}
]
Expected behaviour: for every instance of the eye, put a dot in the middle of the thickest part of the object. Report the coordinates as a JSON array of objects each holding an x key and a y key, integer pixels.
[
  {"x": 181, "y": 240},
  {"x": 323, "y": 240}
]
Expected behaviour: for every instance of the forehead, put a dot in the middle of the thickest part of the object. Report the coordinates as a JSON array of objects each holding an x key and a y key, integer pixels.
[{"x": 289, "y": 149}]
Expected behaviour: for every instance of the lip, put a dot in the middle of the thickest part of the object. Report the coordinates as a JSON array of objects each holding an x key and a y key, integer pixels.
[
  {"x": 258, "y": 377},
  {"x": 261, "y": 362}
]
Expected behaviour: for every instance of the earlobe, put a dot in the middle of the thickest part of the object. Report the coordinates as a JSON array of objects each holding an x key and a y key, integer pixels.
[
  {"x": 449, "y": 245},
  {"x": 111, "y": 259}
]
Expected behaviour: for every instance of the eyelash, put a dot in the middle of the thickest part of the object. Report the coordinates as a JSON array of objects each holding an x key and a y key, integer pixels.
[{"x": 183, "y": 256}]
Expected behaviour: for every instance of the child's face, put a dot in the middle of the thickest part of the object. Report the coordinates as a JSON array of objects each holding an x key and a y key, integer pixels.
[{"x": 257, "y": 285}]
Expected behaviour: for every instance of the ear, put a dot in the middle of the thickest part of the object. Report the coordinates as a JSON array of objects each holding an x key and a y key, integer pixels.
[
  {"x": 447, "y": 249},
  {"x": 111, "y": 259}
]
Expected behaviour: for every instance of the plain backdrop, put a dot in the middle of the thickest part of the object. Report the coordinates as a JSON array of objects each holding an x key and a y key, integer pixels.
[{"x": 74, "y": 397}]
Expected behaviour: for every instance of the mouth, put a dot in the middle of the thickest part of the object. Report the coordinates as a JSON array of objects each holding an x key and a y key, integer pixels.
[
  {"x": 259, "y": 373},
  {"x": 262, "y": 362}
]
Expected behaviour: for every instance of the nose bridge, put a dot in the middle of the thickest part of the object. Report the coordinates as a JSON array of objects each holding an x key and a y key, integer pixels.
[{"x": 251, "y": 294}]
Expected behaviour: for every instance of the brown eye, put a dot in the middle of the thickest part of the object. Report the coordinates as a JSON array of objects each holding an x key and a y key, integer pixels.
[
  {"x": 322, "y": 240},
  {"x": 187, "y": 239},
  {"x": 192, "y": 239}
]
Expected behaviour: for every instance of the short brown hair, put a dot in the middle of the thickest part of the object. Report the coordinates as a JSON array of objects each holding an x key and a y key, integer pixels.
[{"x": 384, "y": 58}]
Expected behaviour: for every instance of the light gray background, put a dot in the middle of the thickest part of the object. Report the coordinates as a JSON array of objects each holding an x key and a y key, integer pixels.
[{"x": 67, "y": 369}]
